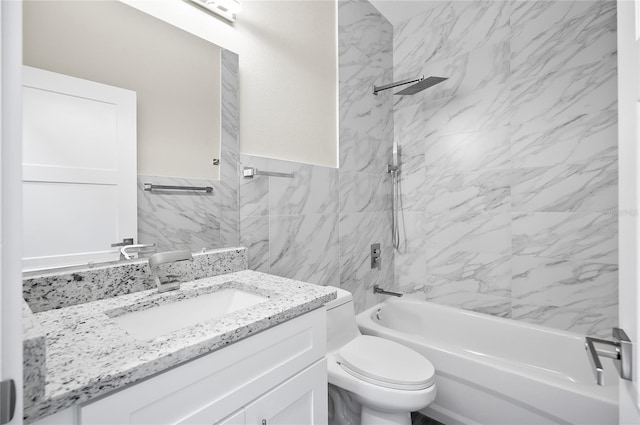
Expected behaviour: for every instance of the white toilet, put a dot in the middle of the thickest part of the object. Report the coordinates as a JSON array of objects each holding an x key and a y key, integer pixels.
[{"x": 378, "y": 380}]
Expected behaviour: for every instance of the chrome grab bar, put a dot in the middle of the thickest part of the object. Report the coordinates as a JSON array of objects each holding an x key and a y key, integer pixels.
[
  {"x": 378, "y": 290},
  {"x": 249, "y": 172},
  {"x": 150, "y": 187},
  {"x": 620, "y": 350}
]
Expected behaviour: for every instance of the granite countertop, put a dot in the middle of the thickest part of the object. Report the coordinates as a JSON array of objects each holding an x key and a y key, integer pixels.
[{"x": 88, "y": 354}]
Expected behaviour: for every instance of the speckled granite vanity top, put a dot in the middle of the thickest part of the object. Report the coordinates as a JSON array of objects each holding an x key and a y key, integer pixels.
[{"x": 88, "y": 354}]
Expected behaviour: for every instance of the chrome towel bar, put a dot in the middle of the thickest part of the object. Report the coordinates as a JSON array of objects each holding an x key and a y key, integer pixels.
[
  {"x": 249, "y": 172},
  {"x": 151, "y": 187}
]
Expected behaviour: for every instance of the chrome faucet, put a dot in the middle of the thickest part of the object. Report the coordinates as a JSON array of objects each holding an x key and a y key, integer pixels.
[
  {"x": 161, "y": 266},
  {"x": 378, "y": 290}
]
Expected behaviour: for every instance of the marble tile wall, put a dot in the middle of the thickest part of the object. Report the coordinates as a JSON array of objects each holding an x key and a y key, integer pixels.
[
  {"x": 510, "y": 167},
  {"x": 318, "y": 226},
  {"x": 365, "y": 47},
  {"x": 290, "y": 225},
  {"x": 196, "y": 220}
]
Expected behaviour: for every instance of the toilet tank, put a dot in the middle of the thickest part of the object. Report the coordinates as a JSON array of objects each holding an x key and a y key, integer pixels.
[{"x": 341, "y": 320}]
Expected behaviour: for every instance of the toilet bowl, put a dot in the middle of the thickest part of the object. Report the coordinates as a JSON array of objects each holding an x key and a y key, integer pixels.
[{"x": 387, "y": 380}]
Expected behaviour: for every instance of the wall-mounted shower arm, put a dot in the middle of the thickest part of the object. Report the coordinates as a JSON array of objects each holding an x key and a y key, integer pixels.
[{"x": 377, "y": 89}]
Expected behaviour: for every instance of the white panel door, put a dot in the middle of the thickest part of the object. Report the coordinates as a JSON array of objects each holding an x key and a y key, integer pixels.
[
  {"x": 79, "y": 169},
  {"x": 300, "y": 400},
  {"x": 10, "y": 228},
  {"x": 629, "y": 197}
]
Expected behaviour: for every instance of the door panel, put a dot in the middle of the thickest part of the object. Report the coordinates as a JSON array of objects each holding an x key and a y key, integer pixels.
[
  {"x": 79, "y": 169},
  {"x": 10, "y": 198}
]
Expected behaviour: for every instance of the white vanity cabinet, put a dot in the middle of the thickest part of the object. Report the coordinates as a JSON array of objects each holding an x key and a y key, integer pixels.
[
  {"x": 277, "y": 376},
  {"x": 298, "y": 401}
]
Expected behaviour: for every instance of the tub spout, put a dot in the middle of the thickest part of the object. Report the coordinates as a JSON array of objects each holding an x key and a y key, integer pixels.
[{"x": 378, "y": 290}]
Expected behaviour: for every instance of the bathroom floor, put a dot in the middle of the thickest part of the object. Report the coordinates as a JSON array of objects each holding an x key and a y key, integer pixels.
[{"x": 420, "y": 419}]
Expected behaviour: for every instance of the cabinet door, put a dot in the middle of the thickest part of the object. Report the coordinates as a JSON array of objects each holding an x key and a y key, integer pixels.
[{"x": 300, "y": 400}]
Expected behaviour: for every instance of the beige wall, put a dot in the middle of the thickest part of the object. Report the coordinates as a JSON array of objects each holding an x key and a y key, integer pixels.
[
  {"x": 288, "y": 72},
  {"x": 176, "y": 76},
  {"x": 288, "y": 81}
]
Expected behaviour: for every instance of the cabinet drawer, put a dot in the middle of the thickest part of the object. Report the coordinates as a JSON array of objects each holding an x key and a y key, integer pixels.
[
  {"x": 219, "y": 382},
  {"x": 300, "y": 400}
]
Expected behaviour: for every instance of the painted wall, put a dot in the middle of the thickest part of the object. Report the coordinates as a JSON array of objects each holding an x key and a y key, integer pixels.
[
  {"x": 288, "y": 72},
  {"x": 509, "y": 175},
  {"x": 318, "y": 226}
]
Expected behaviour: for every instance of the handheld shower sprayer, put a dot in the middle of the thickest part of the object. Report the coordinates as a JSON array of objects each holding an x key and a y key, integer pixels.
[
  {"x": 394, "y": 170},
  {"x": 417, "y": 85}
]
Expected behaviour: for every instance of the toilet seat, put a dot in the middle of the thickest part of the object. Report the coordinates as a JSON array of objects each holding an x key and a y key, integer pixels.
[{"x": 385, "y": 363}]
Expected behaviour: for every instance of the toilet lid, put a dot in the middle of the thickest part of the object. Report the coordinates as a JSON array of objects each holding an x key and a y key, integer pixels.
[{"x": 385, "y": 363}]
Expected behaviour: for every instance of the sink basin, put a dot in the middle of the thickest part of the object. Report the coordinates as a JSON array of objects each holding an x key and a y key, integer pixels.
[{"x": 162, "y": 319}]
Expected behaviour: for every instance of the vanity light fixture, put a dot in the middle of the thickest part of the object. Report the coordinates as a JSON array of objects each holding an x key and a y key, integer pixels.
[{"x": 228, "y": 9}]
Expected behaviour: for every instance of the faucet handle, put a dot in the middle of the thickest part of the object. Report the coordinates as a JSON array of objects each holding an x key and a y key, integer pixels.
[{"x": 169, "y": 257}]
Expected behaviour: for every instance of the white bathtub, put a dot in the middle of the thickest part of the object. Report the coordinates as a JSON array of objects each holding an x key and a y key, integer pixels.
[{"x": 497, "y": 371}]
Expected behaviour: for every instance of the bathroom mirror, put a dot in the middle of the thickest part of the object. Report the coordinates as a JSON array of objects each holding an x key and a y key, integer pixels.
[
  {"x": 177, "y": 78},
  {"x": 175, "y": 74}
]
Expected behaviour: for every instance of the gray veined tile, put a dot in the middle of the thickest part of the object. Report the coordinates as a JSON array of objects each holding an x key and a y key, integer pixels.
[
  {"x": 582, "y": 139},
  {"x": 556, "y": 99},
  {"x": 480, "y": 303},
  {"x": 480, "y": 272},
  {"x": 468, "y": 192},
  {"x": 413, "y": 189},
  {"x": 254, "y": 234},
  {"x": 410, "y": 265},
  {"x": 185, "y": 220},
  {"x": 305, "y": 247},
  {"x": 365, "y": 59},
  {"x": 551, "y": 36},
  {"x": 480, "y": 110},
  {"x": 408, "y": 120},
  {"x": 353, "y": 16},
  {"x": 579, "y": 317},
  {"x": 229, "y": 109},
  {"x": 312, "y": 190},
  {"x": 411, "y": 153},
  {"x": 476, "y": 24},
  {"x": 560, "y": 282},
  {"x": 364, "y": 192},
  {"x": 418, "y": 40},
  {"x": 367, "y": 152},
  {"x": 357, "y": 232},
  {"x": 476, "y": 232},
  {"x": 467, "y": 152},
  {"x": 487, "y": 66},
  {"x": 449, "y": 29},
  {"x": 591, "y": 187},
  {"x": 229, "y": 229},
  {"x": 577, "y": 236},
  {"x": 254, "y": 192},
  {"x": 147, "y": 232}
]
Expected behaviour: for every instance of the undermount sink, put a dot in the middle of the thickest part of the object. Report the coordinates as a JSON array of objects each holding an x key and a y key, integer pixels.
[{"x": 156, "y": 320}]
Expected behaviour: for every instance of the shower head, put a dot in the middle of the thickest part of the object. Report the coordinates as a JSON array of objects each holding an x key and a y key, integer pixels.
[{"x": 421, "y": 84}]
